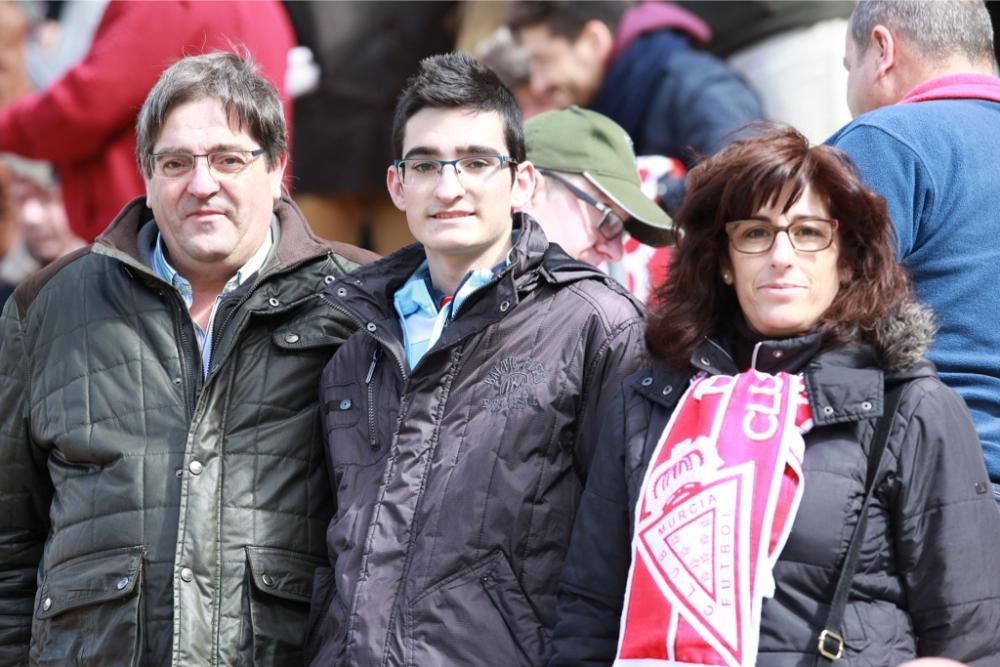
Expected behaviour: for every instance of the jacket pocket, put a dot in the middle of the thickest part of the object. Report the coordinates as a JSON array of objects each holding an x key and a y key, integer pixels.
[
  {"x": 855, "y": 637},
  {"x": 479, "y": 616},
  {"x": 308, "y": 332},
  {"x": 88, "y": 611},
  {"x": 350, "y": 421},
  {"x": 279, "y": 589}
]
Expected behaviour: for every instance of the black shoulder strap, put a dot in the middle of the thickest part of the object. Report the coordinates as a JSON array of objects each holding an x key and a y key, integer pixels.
[{"x": 831, "y": 642}]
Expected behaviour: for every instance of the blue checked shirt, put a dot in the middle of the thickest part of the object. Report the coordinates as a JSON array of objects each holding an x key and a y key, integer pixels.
[{"x": 421, "y": 320}]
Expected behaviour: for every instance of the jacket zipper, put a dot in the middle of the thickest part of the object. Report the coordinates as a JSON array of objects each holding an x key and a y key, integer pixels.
[
  {"x": 451, "y": 304},
  {"x": 361, "y": 327},
  {"x": 217, "y": 332},
  {"x": 372, "y": 440},
  {"x": 190, "y": 388},
  {"x": 369, "y": 378}
]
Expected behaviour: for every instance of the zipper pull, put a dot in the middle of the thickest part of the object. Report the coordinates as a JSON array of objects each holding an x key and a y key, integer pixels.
[{"x": 371, "y": 369}]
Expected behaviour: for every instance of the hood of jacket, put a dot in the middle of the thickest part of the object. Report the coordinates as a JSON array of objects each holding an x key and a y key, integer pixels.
[{"x": 904, "y": 336}]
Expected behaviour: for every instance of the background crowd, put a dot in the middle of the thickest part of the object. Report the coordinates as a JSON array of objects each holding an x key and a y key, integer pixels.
[{"x": 73, "y": 73}]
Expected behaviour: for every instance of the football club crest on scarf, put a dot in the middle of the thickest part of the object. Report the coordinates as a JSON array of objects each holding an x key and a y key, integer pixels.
[{"x": 716, "y": 505}]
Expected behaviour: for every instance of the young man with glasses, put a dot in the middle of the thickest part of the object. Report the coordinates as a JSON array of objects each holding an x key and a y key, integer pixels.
[
  {"x": 164, "y": 499},
  {"x": 460, "y": 420},
  {"x": 589, "y": 191}
]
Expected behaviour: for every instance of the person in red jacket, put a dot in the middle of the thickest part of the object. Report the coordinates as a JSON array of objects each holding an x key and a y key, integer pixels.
[{"x": 85, "y": 122}]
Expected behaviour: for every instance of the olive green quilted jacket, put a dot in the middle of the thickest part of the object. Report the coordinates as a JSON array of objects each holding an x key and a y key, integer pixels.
[{"x": 148, "y": 515}]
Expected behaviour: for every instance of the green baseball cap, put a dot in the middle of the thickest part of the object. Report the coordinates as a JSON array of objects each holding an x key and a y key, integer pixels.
[{"x": 580, "y": 141}]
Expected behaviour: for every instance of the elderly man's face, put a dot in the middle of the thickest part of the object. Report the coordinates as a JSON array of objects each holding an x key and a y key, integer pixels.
[
  {"x": 572, "y": 223},
  {"x": 211, "y": 222}
]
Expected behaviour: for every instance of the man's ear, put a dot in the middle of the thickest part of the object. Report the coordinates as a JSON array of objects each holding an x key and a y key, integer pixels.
[
  {"x": 538, "y": 193},
  {"x": 395, "y": 186},
  {"x": 526, "y": 177},
  {"x": 597, "y": 37},
  {"x": 885, "y": 53}
]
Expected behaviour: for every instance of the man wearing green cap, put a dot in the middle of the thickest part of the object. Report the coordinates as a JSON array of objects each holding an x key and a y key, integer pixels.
[{"x": 588, "y": 191}]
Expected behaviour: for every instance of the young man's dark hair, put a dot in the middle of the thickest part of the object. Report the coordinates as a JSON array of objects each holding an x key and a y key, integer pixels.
[
  {"x": 564, "y": 18},
  {"x": 457, "y": 81}
]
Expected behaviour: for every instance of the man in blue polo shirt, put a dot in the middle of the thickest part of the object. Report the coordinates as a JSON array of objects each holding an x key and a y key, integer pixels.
[{"x": 925, "y": 136}]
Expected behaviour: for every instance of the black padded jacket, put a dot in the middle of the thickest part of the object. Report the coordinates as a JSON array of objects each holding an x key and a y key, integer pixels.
[
  {"x": 928, "y": 579},
  {"x": 457, "y": 480}
]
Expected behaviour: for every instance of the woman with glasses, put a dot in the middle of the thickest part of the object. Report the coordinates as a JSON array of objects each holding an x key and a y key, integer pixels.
[{"x": 724, "y": 502}]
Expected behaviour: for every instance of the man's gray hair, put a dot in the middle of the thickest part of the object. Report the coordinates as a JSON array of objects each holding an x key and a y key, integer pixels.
[
  {"x": 249, "y": 99},
  {"x": 934, "y": 30}
]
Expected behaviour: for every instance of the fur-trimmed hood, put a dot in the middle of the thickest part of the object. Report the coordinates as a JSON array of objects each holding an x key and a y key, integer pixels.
[{"x": 904, "y": 336}]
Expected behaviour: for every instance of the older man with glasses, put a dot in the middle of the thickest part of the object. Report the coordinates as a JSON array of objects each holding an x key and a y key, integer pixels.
[
  {"x": 589, "y": 193},
  {"x": 163, "y": 494}
]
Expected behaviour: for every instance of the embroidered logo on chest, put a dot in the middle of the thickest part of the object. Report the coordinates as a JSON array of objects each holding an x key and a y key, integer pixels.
[{"x": 513, "y": 379}]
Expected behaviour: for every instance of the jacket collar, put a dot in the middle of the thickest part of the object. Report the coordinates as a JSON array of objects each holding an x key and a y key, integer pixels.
[
  {"x": 844, "y": 384},
  {"x": 369, "y": 291},
  {"x": 366, "y": 295},
  {"x": 128, "y": 234},
  {"x": 963, "y": 85}
]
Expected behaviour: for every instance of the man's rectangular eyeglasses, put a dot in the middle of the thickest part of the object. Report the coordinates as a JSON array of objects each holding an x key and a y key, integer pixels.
[
  {"x": 174, "y": 164},
  {"x": 611, "y": 225},
  {"x": 807, "y": 234},
  {"x": 424, "y": 171}
]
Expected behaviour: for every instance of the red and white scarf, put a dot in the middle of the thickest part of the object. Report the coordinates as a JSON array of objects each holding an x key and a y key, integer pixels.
[{"x": 716, "y": 505}]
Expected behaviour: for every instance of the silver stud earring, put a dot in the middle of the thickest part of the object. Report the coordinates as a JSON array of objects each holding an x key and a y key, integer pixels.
[{"x": 727, "y": 278}]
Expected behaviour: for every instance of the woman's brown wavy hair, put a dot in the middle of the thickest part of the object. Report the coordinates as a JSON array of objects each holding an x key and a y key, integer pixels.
[{"x": 735, "y": 183}]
